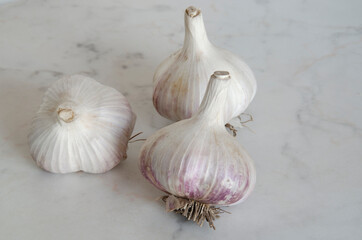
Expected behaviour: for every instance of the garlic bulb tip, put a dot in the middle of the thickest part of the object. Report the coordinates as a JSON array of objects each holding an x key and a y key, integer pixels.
[
  {"x": 65, "y": 114},
  {"x": 192, "y": 11},
  {"x": 224, "y": 75}
]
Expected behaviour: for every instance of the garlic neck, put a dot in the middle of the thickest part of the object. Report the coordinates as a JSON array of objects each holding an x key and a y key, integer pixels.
[
  {"x": 195, "y": 33},
  {"x": 213, "y": 104},
  {"x": 65, "y": 114}
]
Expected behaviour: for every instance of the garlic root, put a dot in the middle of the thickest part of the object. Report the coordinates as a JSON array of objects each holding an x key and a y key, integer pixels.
[
  {"x": 249, "y": 120},
  {"x": 136, "y": 140},
  {"x": 231, "y": 128},
  {"x": 240, "y": 124},
  {"x": 193, "y": 210}
]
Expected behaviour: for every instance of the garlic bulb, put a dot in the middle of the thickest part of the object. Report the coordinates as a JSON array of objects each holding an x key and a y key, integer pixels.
[
  {"x": 197, "y": 158},
  {"x": 181, "y": 80},
  {"x": 81, "y": 125}
]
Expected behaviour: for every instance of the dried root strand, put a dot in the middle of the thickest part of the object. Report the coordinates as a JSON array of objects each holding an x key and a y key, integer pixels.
[
  {"x": 245, "y": 121},
  {"x": 193, "y": 210},
  {"x": 136, "y": 140},
  {"x": 231, "y": 128}
]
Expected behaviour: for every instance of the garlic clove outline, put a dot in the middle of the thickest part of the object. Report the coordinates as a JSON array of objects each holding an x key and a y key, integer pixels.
[
  {"x": 180, "y": 81},
  {"x": 81, "y": 125}
]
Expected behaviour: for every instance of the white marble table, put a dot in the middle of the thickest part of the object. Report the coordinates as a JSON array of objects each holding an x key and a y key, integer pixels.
[{"x": 306, "y": 137}]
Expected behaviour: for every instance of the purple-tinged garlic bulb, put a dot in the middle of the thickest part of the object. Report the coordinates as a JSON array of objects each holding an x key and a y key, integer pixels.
[
  {"x": 81, "y": 125},
  {"x": 196, "y": 161},
  {"x": 180, "y": 81}
]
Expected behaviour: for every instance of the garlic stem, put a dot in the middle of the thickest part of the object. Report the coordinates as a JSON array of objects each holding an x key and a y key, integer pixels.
[
  {"x": 213, "y": 105},
  {"x": 223, "y": 75},
  {"x": 66, "y": 114},
  {"x": 195, "y": 33}
]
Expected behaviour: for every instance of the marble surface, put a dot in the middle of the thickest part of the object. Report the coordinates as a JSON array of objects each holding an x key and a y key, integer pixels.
[{"x": 306, "y": 137}]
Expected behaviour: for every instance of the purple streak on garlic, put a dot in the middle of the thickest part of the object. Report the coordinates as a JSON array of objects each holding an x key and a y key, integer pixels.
[
  {"x": 180, "y": 81},
  {"x": 81, "y": 125},
  {"x": 197, "y": 158}
]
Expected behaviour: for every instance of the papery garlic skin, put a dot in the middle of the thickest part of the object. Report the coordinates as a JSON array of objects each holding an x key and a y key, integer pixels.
[
  {"x": 180, "y": 81},
  {"x": 81, "y": 125},
  {"x": 197, "y": 158}
]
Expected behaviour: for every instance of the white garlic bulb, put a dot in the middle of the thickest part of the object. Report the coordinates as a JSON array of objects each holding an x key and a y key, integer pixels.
[
  {"x": 196, "y": 158},
  {"x": 181, "y": 80},
  {"x": 81, "y": 125}
]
